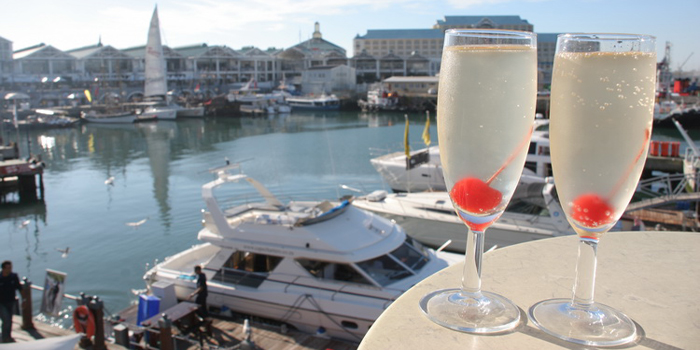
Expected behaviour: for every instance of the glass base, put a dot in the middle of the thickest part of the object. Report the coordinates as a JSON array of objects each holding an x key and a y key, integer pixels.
[
  {"x": 482, "y": 313},
  {"x": 597, "y": 325}
]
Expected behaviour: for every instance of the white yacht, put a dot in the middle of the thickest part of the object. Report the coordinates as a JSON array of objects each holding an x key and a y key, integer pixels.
[
  {"x": 534, "y": 212},
  {"x": 427, "y": 175},
  {"x": 318, "y": 266}
]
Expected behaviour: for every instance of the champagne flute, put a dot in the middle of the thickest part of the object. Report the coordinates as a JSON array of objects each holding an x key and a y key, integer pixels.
[
  {"x": 486, "y": 110},
  {"x": 602, "y": 105}
]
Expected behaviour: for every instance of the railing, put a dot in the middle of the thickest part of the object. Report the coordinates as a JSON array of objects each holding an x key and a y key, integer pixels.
[{"x": 664, "y": 189}]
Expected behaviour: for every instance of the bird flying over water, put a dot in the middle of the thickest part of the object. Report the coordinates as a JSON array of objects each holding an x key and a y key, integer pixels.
[
  {"x": 64, "y": 252},
  {"x": 110, "y": 181},
  {"x": 137, "y": 224}
]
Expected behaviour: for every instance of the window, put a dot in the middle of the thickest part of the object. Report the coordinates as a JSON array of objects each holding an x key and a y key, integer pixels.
[
  {"x": 247, "y": 269},
  {"x": 332, "y": 271}
]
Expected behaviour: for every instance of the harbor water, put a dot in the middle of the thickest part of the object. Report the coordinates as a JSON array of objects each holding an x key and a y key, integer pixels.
[{"x": 152, "y": 209}]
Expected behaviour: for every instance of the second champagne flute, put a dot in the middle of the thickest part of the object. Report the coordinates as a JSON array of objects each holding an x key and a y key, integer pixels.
[{"x": 486, "y": 110}]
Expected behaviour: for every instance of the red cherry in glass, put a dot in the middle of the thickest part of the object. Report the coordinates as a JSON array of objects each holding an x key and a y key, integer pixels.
[
  {"x": 591, "y": 210},
  {"x": 475, "y": 196}
]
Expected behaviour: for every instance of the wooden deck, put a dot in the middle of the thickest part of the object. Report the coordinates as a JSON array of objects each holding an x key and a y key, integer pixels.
[
  {"x": 227, "y": 333},
  {"x": 43, "y": 331}
]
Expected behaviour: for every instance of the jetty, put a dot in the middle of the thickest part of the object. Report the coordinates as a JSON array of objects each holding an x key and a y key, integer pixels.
[{"x": 177, "y": 327}]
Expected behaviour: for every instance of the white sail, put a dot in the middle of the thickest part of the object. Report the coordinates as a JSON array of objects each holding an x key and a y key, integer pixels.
[{"x": 156, "y": 84}]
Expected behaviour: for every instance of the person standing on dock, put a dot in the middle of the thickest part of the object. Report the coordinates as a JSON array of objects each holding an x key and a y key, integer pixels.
[
  {"x": 201, "y": 291},
  {"x": 9, "y": 283}
]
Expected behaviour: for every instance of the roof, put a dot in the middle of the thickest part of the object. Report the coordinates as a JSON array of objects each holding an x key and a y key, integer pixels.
[
  {"x": 402, "y": 34},
  {"x": 192, "y": 50},
  {"x": 411, "y": 79},
  {"x": 325, "y": 67},
  {"x": 474, "y": 20},
  {"x": 318, "y": 45},
  {"x": 3, "y": 39},
  {"x": 27, "y": 51},
  {"x": 85, "y": 51}
]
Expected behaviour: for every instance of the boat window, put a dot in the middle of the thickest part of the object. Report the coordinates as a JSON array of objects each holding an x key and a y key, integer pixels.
[
  {"x": 332, "y": 271},
  {"x": 247, "y": 269},
  {"x": 252, "y": 262},
  {"x": 384, "y": 270},
  {"x": 543, "y": 150},
  {"x": 410, "y": 256},
  {"x": 532, "y": 166},
  {"x": 532, "y": 149}
]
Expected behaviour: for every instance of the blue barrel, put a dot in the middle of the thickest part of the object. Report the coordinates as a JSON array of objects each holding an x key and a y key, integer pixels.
[{"x": 149, "y": 306}]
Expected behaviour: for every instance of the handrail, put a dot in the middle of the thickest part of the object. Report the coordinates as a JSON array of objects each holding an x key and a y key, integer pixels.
[{"x": 66, "y": 295}]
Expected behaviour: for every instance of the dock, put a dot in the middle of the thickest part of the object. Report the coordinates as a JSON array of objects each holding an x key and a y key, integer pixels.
[
  {"x": 43, "y": 331},
  {"x": 228, "y": 332}
]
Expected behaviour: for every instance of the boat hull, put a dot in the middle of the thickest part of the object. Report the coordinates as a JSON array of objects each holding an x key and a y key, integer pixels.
[
  {"x": 160, "y": 113},
  {"x": 108, "y": 119},
  {"x": 190, "y": 112}
]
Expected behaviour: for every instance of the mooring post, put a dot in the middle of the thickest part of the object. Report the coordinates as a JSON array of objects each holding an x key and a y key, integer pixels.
[
  {"x": 96, "y": 306},
  {"x": 166, "y": 336},
  {"x": 26, "y": 293}
]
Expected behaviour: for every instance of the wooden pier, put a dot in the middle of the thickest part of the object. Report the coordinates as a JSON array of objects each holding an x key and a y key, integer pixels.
[{"x": 229, "y": 333}]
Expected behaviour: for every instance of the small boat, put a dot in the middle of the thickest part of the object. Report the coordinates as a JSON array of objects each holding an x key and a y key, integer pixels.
[
  {"x": 119, "y": 117},
  {"x": 323, "y": 102},
  {"x": 46, "y": 118},
  {"x": 314, "y": 265},
  {"x": 425, "y": 174},
  {"x": 534, "y": 213},
  {"x": 159, "y": 111}
]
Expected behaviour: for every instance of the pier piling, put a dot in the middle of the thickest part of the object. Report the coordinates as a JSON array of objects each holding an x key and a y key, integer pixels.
[
  {"x": 166, "y": 337},
  {"x": 26, "y": 293}
]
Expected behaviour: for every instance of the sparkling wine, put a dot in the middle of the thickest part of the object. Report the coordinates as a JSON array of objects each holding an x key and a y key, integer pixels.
[
  {"x": 486, "y": 102},
  {"x": 602, "y": 105}
]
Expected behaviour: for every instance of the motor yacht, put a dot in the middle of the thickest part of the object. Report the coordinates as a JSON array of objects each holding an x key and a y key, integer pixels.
[{"x": 321, "y": 267}]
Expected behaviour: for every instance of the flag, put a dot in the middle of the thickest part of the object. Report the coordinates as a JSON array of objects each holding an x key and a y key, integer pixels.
[
  {"x": 88, "y": 95},
  {"x": 407, "y": 147},
  {"x": 196, "y": 88},
  {"x": 426, "y": 131}
]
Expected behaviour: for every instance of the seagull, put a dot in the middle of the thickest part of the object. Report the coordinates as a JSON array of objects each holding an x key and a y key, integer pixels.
[
  {"x": 137, "y": 224},
  {"x": 110, "y": 181},
  {"x": 24, "y": 224},
  {"x": 64, "y": 252}
]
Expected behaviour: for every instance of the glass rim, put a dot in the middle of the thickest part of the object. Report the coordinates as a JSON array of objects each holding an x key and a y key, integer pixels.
[
  {"x": 491, "y": 32},
  {"x": 607, "y": 36}
]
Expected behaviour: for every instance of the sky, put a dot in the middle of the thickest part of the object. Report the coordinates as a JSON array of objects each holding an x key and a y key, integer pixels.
[{"x": 69, "y": 24}]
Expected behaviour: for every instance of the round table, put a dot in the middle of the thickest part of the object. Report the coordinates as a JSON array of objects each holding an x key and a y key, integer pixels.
[{"x": 653, "y": 277}]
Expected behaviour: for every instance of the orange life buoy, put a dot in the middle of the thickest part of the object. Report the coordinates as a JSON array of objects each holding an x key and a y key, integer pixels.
[{"x": 83, "y": 321}]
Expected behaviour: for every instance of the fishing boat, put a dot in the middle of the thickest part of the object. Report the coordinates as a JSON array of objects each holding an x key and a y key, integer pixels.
[
  {"x": 156, "y": 85},
  {"x": 319, "y": 266},
  {"x": 322, "y": 102},
  {"x": 427, "y": 175},
  {"x": 534, "y": 213}
]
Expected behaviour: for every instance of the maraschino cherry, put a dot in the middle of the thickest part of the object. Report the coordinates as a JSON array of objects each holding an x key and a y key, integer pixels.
[
  {"x": 590, "y": 210},
  {"x": 475, "y": 196}
]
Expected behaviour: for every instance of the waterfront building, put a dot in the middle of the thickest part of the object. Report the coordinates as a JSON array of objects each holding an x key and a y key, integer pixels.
[
  {"x": 412, "y": 85},
  {"x": 42, "y": 63},
  {"x": 314, "y": 52},
  {"x": 102, "y": 63},
  {"x": 383, "y": 53},
  {"x": 5, "y": 59},
  {"x": 324, "y": 79}
]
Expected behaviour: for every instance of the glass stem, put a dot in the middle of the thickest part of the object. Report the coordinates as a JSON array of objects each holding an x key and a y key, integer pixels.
[
  {"x": 471, "y": 276},
  {"x": 584, "y": 286}
]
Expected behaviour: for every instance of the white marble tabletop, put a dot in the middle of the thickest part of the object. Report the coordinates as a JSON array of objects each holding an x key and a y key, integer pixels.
[{"x": 653, "y": 277}]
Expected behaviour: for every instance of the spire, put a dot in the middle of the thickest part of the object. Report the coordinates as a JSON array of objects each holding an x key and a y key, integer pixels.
[
  {"x": 317, "y": 31},
  {"x": 99, "y": 41}
]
